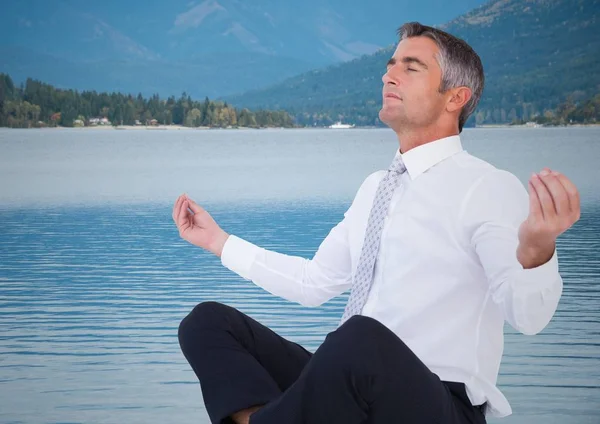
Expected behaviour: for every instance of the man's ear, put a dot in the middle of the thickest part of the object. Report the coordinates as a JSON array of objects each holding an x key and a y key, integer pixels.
[{"x": 458, "y": 99}]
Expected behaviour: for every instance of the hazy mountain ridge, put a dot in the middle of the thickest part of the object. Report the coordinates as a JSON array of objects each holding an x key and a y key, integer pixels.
[
  {"x": 146, "y": 46},
  {"x": 535, "y": 54}
]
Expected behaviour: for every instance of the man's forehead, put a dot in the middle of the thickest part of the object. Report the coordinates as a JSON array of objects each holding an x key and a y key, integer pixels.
[{"x": 423, "y": 48}]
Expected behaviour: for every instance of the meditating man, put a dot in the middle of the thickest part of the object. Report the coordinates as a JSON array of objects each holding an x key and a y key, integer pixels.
[{"x": 438, "y": 251}]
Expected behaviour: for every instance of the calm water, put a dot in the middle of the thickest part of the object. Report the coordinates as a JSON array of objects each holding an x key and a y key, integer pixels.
[{"x": 94, "y": 279}]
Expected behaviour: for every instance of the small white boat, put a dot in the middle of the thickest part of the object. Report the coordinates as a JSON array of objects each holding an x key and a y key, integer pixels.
[{"x": 338, "y": 125}]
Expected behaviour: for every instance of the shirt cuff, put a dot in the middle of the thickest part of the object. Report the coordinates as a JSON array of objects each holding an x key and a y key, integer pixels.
[
  {"x": 238, "y": 255},
  {"x": 544, "y": 272}
]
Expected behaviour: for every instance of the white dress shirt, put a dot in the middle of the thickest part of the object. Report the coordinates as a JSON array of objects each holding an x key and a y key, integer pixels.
[{"x": 447, "y": 274}]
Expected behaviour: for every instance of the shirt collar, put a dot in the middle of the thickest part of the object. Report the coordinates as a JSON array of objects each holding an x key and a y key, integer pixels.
[{"x": 419, "y": 159}]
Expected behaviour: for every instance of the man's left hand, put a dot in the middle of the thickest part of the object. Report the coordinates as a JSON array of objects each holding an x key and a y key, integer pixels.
[{"x": 554, "y": 207}]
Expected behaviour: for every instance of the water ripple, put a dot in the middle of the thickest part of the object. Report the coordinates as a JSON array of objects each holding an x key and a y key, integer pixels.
[{"x": 89, "y": 323}]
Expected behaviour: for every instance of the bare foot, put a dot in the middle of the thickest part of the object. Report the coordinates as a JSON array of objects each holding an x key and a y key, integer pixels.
[{"x": 243, "y": 416}]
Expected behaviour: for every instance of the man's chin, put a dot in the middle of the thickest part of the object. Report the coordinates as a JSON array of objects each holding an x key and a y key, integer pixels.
[
  {"x": 386, "y": 116},
  {"x": 392, "y": 119}
]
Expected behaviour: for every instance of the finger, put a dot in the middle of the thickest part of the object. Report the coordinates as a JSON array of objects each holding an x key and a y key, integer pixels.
[
  {"x": 182, "y": 217},
  {"x": 176, "y": 208},
  {"x": 195, "y": 207},
  {"x": 572, "y": 192},
  {"x": 535, "y": 207},
  {"x": 558, "y": 193},
  {"x": 546, "y": 201},
  {"x": 174, "y": 212}
]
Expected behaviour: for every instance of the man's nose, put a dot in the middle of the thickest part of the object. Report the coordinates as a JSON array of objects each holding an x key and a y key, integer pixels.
[{"x": 388, "y": 77}]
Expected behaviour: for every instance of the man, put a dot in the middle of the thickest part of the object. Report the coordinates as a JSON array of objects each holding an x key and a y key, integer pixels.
[{"x": 438, "y": 251}]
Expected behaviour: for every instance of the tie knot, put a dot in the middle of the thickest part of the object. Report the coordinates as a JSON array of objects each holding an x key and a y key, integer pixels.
[{"x": 397, "y": 165}]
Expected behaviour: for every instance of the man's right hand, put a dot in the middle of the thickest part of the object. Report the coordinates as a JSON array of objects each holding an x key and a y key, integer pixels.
[{"x": 197, "y": 226}]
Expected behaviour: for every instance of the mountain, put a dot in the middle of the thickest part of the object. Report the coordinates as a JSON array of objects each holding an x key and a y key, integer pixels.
[
  {"x": 535, "y": 54},
  {"x": 210, "y": 47}
]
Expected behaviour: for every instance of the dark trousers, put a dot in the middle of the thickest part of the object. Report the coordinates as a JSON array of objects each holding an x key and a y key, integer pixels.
[{"x": 362, "y": 373}]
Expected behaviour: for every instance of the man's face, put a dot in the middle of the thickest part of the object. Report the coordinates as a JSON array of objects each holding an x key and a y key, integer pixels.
[{"x": 410, "y": 86}]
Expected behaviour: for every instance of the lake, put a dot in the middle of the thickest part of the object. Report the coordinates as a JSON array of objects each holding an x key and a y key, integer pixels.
[{"x": 94, "y": 278}]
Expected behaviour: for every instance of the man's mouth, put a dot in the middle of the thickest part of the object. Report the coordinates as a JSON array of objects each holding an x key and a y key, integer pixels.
[{"x": 392, "y": 96}]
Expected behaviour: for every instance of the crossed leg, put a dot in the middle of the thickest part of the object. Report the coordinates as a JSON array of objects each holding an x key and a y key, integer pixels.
[{"x": 362, "y": 373}]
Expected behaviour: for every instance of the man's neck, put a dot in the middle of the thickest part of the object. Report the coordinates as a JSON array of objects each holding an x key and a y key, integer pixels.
[{"x": 414, "y": 139}]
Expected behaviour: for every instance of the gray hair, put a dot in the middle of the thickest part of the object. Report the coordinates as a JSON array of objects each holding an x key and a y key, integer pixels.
[{"x": 460, "y": 65}]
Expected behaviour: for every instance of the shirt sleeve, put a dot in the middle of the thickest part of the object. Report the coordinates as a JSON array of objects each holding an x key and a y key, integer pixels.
[
  {"x": 497, "y": 205},
  {"x": 309, "y": 282}
]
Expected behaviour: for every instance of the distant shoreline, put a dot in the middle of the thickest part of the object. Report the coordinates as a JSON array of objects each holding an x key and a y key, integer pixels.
[
  {"x": 131, "y": 127},
  {"x": 184, "y": 128},
  {"x": 534, "y": 126}
]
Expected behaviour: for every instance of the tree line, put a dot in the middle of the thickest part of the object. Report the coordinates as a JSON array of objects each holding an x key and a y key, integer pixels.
[
  {"x": 571, "y": 112},
  {"x": 37, "y": 104},
  {"x": 577, "y": 109}
]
